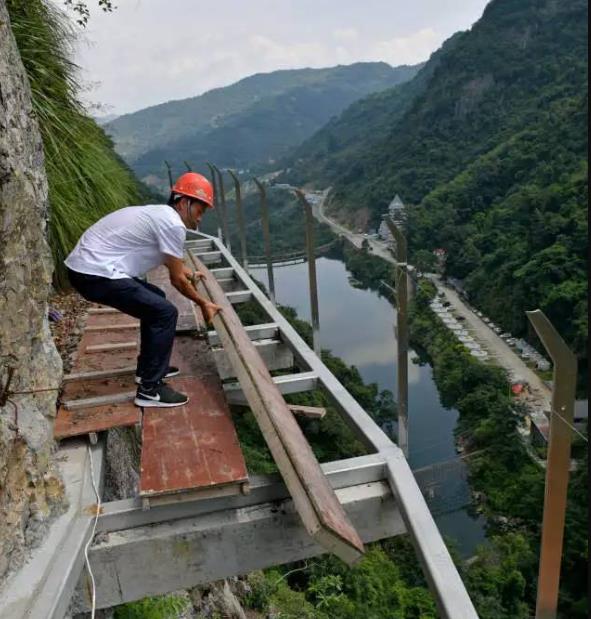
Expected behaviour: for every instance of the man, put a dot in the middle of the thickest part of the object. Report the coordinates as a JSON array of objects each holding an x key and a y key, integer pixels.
[{"x": 113, "y": 254}]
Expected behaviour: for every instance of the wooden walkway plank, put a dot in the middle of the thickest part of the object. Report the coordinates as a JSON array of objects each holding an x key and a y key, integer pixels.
[
  {"x": 78, "y": 422},
  {"x": 191, "y": 447},
  {"x": 314, "y": 498}
]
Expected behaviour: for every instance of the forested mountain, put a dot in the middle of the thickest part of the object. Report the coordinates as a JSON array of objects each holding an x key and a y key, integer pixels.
[
  {"x": 488, "y": 144},
  {"x": 255, "y": 120}
]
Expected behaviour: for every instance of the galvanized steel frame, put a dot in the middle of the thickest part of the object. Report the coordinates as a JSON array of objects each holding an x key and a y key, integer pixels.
[{"x": 444, "y": 581}]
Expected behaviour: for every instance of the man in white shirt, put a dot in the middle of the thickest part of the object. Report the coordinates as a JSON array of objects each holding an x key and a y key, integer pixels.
[{"x": 114, "y": 253}]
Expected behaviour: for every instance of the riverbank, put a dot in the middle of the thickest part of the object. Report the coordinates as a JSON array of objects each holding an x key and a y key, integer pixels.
[{"x": 510, "y": 486}]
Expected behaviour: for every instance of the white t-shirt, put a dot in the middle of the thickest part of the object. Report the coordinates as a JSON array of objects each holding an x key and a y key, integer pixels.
[{"x": 129, "y": 242}]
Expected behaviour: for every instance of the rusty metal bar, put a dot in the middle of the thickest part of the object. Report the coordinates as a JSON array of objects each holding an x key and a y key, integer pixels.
[
  {"x": 401, "y": 333},
  {"x": 266, "y": 238},
  {"x": 558, "y": 463},
  {"x": 240, "y": 217},
  {"x": 169, "y": 169},
  {"x": 310, "y": 248},
  {"x": 216, "y": 199},
  {"x": 223, "y": 209}
]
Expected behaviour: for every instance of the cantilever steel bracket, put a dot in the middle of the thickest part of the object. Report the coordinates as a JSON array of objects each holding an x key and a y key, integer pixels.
[
  {"x": 311, "y": 251},
  {"x": 266, "y": 237},
  {"x": 240, "y": 217},
  {"x": 558, "y": 463}
]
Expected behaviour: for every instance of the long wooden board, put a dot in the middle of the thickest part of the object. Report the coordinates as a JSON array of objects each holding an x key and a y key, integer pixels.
[
  {"x": 190, "y": 317},
  {"x": 314, "y": 498}
]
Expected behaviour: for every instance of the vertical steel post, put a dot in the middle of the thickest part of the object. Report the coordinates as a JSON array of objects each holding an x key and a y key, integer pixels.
[
  {"x": 168, "y": 168},
  {"x": 188, "y": 166},
  {"x": 558, "y": 463},
  {"x": 240, "y": 217},
  {"x": 402, "y": 334},
  {"x": 311, "y": 251},
  {"x": 216, "y": 199},
  {"x": 223, "y": 210},
  {"x": 266, "y": 238}
]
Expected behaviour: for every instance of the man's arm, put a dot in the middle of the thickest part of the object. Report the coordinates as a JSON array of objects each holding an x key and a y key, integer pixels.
[{"x": 180, "y": 279}]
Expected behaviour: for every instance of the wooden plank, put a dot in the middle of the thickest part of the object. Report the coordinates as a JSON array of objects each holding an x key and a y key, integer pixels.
[
  {"x": 130, "y": 326},
  {"x": 189, "y": 447},
  {"x": 100, "y": 336},
  {"x": 190, "y": 316},
  {"x": 321, "y": 513},
  {"x": 111, "y": 347},
  {"x": 110, "y": 320},
  {"x": 76, "y": 423},
  {"x": 98, "y": 374},
  {"x": 313, "y": 412},
  {"x": 98, "y": 387}
]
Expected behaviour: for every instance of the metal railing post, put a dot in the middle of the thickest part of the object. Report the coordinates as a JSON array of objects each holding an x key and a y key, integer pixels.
[
  {"x": 169, "y": 170},
  {"x": 402, "y": 334},
  {"x": 240, "y": 217},
  {"x": 266, "y": 238},
  {"x": 558, "y": 463},
  {"x": 223, "y": 209},
  {"x": 310, "y": 248},
  {"x": 188, "y": 166},
  {"x": 216, "y": 199}
]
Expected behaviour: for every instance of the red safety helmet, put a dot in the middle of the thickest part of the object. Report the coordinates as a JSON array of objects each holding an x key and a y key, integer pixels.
[{"x": 196, "y": 186}]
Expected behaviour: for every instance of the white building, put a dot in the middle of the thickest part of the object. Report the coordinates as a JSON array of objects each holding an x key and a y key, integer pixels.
[{"x": 396, "y": 212}]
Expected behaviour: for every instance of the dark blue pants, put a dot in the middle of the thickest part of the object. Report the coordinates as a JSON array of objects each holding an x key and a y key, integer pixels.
[{"x": 141, "y": 300}]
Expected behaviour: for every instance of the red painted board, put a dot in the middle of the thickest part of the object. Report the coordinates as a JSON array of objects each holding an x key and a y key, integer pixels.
[
  {"x": 193, "y": 446},
  {"x": 96, "y": 419}
]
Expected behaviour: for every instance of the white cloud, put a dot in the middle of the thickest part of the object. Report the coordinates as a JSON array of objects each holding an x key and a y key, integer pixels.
[
  {"x": 345, "y": 34},
  {"x": 411, "y": 49}
]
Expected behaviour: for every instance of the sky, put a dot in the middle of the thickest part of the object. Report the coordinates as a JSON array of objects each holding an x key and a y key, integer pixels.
[{"x": 151, "y": 51}]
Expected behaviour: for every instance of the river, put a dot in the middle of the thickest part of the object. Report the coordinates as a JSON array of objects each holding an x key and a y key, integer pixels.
[{"x": 358, "y": 326}]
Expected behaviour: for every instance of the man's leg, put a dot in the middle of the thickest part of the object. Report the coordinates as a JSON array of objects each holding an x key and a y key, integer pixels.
[{"x": 159, "y": 315}]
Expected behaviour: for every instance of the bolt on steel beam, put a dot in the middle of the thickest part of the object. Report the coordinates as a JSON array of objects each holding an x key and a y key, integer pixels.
[
  {"x": 558, "y": 463},
  {"x": 215, "y": 199},
  {"x": 310, "y": 249},
  {"x": 266, "y": 238},
  {"x": 240, "y": 217},
  {"x": 401, "y": 333}
]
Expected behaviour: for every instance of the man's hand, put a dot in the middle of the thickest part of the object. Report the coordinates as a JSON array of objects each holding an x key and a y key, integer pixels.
[
  {"x": 209, "y": 310},
  {"x": 191, "y": 275}
]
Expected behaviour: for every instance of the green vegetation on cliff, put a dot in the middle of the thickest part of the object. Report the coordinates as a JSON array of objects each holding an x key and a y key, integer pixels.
[
  {"x": 488, "y": 147},
  {"x": 86, "y": 178}
]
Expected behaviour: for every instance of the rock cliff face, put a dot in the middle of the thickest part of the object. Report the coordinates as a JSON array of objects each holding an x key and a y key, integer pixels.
[{"x": 30, "y": 492}]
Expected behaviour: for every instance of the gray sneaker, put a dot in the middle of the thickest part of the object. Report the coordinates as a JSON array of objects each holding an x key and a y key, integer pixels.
[{"x": 161, "y": 396}]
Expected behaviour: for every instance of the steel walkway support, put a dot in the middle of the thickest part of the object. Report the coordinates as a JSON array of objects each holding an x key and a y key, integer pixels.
[
  {"x": 401, "y": 333},
  {"x": 311, "y": 252},
  {"x": 266, "y": 238},
  {"x": 558, "y": 463}
]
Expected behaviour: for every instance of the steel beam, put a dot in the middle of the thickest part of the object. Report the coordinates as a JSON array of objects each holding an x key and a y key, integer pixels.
[
  {"x": 275, "y": 354},
  {"x": 129, "y": 513},
  {"x": 240, "y": 217},
  {"x": 131, "y": 564},
  {"x": 442, "y": 576},
  {"x": 401, "y": 333},
  {"x": 255, "y": 332},
  {"x": 288, "y": 383},
  {"x": 313, "y": 283},
  {"x": 266, "y": 238},
  {"x": 558, "y": 463}
]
